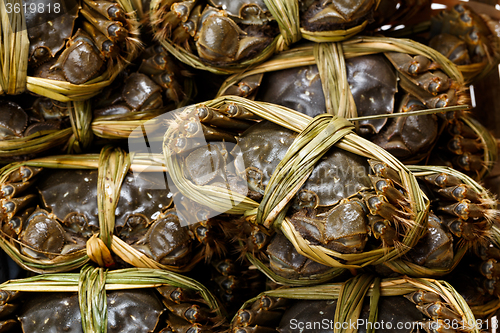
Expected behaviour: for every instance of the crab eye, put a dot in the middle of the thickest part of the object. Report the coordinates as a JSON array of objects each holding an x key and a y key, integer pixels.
[{"x": 459, "y": 8}]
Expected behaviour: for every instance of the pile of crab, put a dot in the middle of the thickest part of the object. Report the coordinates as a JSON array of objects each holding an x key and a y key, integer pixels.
[
  {"x": 226, "y": 35},
  {"x": 324, "y": 185}
]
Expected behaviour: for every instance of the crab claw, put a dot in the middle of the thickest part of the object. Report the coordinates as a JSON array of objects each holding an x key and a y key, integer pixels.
[{"x": 381, "y": 169}]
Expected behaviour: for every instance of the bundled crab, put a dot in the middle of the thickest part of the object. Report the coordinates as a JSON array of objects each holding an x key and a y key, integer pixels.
[
  {"x": 462, "y": 218},
  {"x": 376, "y": 86},
  {"x": 149, "y": 87},
  {"x": 115, "y": 301},
  {"x": 70, "y": 52},
  {"x": 327, "y": 211},
  {"x": 467, "y": 35},
  {"x": 231, "y": 35},
  {"x": 364, "y": 303},
  {"x": 157, "y": 83},
  {"x": 57, "y": 228}
]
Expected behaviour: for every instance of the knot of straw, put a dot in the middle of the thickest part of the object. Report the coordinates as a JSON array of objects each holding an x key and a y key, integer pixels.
[
  {"x": 14, "y": 49},
  {"x": 92, "y": 299},
  {"x": 293, "y": 171},
  {"x": 80, "y": 115},
  {"x": 286, "y": 13},
  {"x": 113, "y": 166},
  {"x": 14, "y": 54},
  {"x": 351, "y": 298}
]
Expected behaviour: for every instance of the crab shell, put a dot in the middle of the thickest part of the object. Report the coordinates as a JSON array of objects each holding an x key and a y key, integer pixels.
[
  {"x": 128, "y": 311},
  {"x": 220, "y": 39},
  {"x": 335, "y": 179},
  {"x": 394, "y": 309},
  {"x": 372, "y": 81},
  {"x": 13, "y": 120},
  {"x": 141, "y": 220},
  {"x": 374, "y": 86},
  {"x": 323, "y": 15},
  {"x": 246, "y": 11},
  {"x": 49, "y": 31}
]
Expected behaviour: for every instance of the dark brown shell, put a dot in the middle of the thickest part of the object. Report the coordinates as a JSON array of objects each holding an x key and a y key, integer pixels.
[
  {"x": 128, "y": 311},
  {"x": 392, "y": 310},
  {"x": 339, "y": 174},
  {"x": 13, "y": 120},
  {"x": 50, "y": 30},
  {"x": 67, "y": 192}
]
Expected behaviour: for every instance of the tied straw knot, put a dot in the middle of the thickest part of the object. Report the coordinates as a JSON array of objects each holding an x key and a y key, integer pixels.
[{"x": 293, "y": 171}]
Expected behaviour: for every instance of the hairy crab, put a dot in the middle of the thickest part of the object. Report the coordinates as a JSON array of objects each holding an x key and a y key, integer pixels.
[
  {"x": 8, "y": 306},
  {"x": 466, "y": 38},
  {"x": 37, "y": 114},
  {"x": 104, "y": 34},
  {"x": 276, "y": 311},
  {"x": 223, "y": 32},
  {"x": 380, "y": 84},
  {"x": 67, "y": 217},
  {"x": 158, "y": 81}
]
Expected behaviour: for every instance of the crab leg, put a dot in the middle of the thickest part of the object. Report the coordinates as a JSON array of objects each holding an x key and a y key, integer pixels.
[
  {"x": 422, "y": 296},
  {"x": 113, "y": 30},
  {"x": 106, "y": 46},
  {"x": 187, "y": 29},
  {"x": 407, "y": 64},
  {"x": 11, "y": 206},
  {"x": 385, "y": 186},
  {"x": 109, "y": 10},
  {"x": 10, "y": 190},
  {"x": 179, "y": 12},
  {"x": 191, "y": 312},
  {"x": 24, "y": 173},
  {"x": 214, "y": 117},
  {"x": 460, "y": 192},
  {"x": 443, "y": 180}
]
